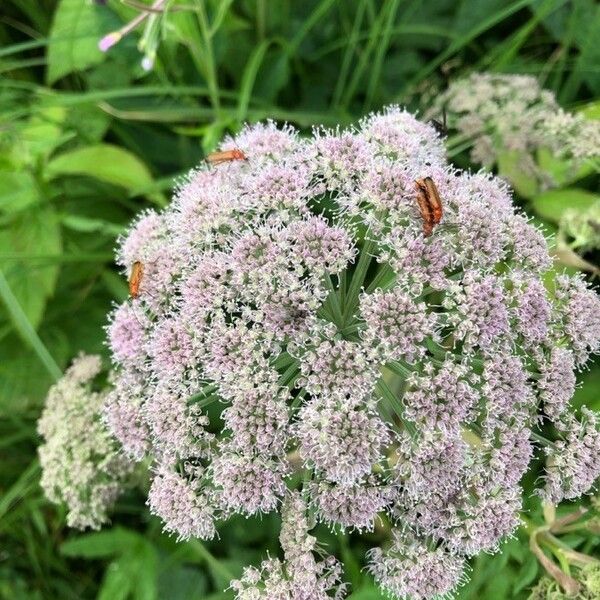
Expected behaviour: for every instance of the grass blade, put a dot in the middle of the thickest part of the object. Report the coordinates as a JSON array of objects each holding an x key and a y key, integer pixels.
[{"x": 25, "y": 329}]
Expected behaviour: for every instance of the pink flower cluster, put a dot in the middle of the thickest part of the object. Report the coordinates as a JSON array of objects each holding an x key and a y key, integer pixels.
[{"x": 292, "y": 316}]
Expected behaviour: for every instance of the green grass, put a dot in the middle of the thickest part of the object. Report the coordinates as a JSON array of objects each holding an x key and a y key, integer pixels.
[{"x": 70, "y": 117}]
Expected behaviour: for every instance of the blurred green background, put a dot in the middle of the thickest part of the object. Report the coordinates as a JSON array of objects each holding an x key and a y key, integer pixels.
[{"x": 89, "y": 139}]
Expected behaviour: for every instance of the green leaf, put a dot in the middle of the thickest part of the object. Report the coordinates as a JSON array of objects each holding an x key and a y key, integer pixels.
[
  {"x": 101, "y": 544},
  {"x": 76, "y": 30},
  {"x": 104, "y": 162},
  {"x": 526, "y": 574},
  {"x": 182, "y": 583},
  {"x": 510, "y": 166},
  {"x": 117, "y": 582},
  {"x": 89, "y": 225},
  {"x": 25, "y": 330},
  {"x": 40, "y": 135},
  {"x": 146, "y": 572},
  {"x": 33, "y": 231},
  {"x": 18, "y": 190},
  {"x": 369, "y": 592},
  {"x": 249, "y": 78},
  {"x": 552, "y": 204},
  {"x": 591, "y": 110}
]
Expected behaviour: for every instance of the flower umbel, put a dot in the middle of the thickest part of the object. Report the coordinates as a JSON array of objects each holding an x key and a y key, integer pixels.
[
  {"x": 296, "y": 324},
  {"x": 82, "y": 463}
]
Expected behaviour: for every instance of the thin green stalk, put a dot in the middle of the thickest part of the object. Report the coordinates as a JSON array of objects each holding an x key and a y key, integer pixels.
[
  {"x": 363, "y": 62},
  {"x": 261, "y": 19},
  {"x": 205, "y": 396},
  {"x": 541, "y": 439},
  {"x": 384, "y": 390},
  {"x": 384, "y": 278},
  {"x": 289, "y": 374},
  {"x": 26, "y": 330},
  {"x": 18, "y": 489},
  {"x": 348, "y": 55},
  {"x": 358, "y": 278},
  {"x": 399, "y": 369},
  {"x": 380, "y": 55},
  {"x": 463, "y": 41},
  {"x": 319, "y": 13},
  {"x": 298, "y": 400},
  {"x": 215, "y": 565},
  {"x": 334, "y": 302},
  {"x": 211, "y": 72}
]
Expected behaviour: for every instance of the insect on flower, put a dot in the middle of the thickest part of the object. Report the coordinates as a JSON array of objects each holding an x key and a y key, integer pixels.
[
  {"x": 135, "y": 278},
  {"x": 217, "y": 158},
  {"x": 440, "y": 126},
  {"x": 430, "y": 205}
]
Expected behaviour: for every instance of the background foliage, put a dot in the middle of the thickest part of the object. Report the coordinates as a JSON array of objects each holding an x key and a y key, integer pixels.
[{"x": 88, "y": 139}]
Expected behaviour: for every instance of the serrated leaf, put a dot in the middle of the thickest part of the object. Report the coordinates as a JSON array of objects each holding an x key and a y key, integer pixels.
[
  {"x": 552, "y": 204},
  {"x": 104, "y": 162}
]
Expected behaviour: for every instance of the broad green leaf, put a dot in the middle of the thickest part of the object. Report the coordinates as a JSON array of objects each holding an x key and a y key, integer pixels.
[
  {"x": 18, "y": 389},
  {"x": 42, "y": 133},
  {"x": 526, "y": 574},
  {"x": 34, "y": 231},
  {"x": 591, "y": 110},
  {"x": 118, "y": 581},
  {"x": 182, "y": 583},
  {"x": 89, "y": 121},
  {"x": 562, "y": 170},
  {"x": 105, "y": 162},
  {"x": 76, "y": 29},
  {"x": 88, "y": 225},
  {"x": 510, "y": 166},
  {"x": 101, "y": 544},
  {"x": 18, "y": 190},
  {"x": 146, "y": 572},
  {"x": 552, "y": 204},
  {"x": 369, "y": 592}
]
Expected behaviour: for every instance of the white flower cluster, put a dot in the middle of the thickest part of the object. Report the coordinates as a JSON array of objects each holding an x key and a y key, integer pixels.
[
  {"x": 83, "y": 466},
  {"x": 501, "y": 113}
]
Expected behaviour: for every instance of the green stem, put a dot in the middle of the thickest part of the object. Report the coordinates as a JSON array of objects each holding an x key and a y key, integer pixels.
[
  {"x": 215, "y": 565},
  {"x": 388, "y": 395},
  {"x": 289, "y": 374},
  {"x": 334, "y": 302},
  {"x": 26, "y": 330},
  {"x": 541, "y": 439},
  {"x": 211, "y": 73},
  {"x": 384, "y": 279},
  {"x": 358, "y": 278}
]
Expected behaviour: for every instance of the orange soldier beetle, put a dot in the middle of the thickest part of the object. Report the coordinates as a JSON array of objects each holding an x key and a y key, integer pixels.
[
  {"x": 135, "y": 278},
  {"x": 217, "y": 158},
  {"x": 430, "y": 205}
]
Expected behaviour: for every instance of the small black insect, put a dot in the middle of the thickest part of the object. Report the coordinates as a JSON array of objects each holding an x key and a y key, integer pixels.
[{"x": 440, "y": 126}]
